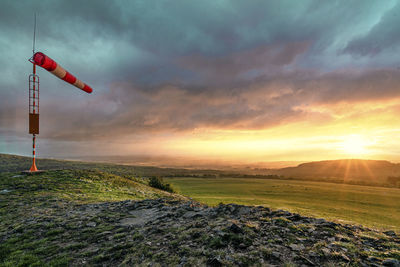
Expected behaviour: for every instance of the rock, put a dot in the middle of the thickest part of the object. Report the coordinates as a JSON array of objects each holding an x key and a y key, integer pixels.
[
  {"x": 391, "y": 263},
  {"x": 234, "y": 228},
  {"x": 163, "y": 233},
  {"x": 106, "y": 233},
  {"x": 192, "y": 215},
  {"x": 329, "y": 224},
  {"x": 296, "y": 247},
  {"x": 214, "y": 262},
  {"x": 326, "y": 251},
  {"x": 344, "y": 257},
  {"x": 372, "y": 258},
  {"x": 243, "y": 210},
  {"x": 91, "y": 224},
  {"x": 276, "y": 254},
  {"x": 141, "y": 217},
  {"x": 183, "y": 261},
  {"x": 312, "y": 254},
  {"x": 295, "y": 217},
  {"x": 310, "y": 230},
  {"x": 5, "y": 191},
  {"x": 242, "y": 246},
  {"x": 390, "y": 233}
]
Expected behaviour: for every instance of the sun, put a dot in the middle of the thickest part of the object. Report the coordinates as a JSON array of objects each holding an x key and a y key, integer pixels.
[{"x": 354, "y": 144}]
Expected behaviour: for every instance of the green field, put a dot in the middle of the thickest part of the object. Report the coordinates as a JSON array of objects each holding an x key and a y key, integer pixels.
[{"x": 376, "y": 207}]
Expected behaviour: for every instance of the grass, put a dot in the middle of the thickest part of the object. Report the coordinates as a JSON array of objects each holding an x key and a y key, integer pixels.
[
  {"x": 84, "y": 186},
  {"x": 55, "y": 219},
  {"x": 40, "y": 221},
  {"x": 375, "y": 207}
]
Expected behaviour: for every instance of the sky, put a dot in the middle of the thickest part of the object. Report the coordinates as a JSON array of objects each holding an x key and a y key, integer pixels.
[{"x": 246, "y": 81}]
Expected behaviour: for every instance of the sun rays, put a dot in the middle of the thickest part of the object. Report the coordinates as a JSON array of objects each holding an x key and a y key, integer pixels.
[{"x": 354, "y": 144}]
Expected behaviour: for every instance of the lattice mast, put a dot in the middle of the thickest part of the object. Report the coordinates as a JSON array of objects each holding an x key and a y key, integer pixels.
[{"x": 33, "y": 104}]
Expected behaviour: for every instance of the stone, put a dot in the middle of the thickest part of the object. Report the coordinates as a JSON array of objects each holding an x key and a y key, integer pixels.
[
  {"x": 320, "y": 221},
  {"x": 295, "y": 217},
  {"x": 242, "y": 246},
  {"x": 344, "y": 257},
  {"x": 326, "y": 251},
  {"x": 5, "y": 191},
  {"x": 192, "y": 215},
  {"x": 390, "y": 233},
  {"x": 214, "y": 262},
  {"x": 91, "y": 224},
  {"x": 296, "y": 247},
  {"x": 391, "y": 263},
  {"x": 234, "y": 228},
  {"x": 276, "y": 254}
]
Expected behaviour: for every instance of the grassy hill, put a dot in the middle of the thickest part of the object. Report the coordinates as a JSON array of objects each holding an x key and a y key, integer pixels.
[
  {"x": 351, "y": 171},
  {"x": 355, "y": 169},
  {"x": 14, "y": 163},
  {"x": 36, "y": 224},
  {"x": 84, "y": 217}
]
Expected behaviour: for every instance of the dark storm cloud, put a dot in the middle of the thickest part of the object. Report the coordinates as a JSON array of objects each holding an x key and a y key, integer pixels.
[
  {"x": 268, "y": 58},
  {"x": 128, "y": 110},
  {"x": 384, "y": 35},
  {"x": 179, "y": 65}
]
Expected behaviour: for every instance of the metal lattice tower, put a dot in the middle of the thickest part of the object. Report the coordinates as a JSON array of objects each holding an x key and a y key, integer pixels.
[{"x": 33, "y": 113}]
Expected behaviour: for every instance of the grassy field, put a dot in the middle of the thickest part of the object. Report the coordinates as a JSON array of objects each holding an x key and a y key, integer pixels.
[{"x": 371, "y": 206}]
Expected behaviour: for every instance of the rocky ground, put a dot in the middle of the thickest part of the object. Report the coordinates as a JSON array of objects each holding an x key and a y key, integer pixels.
[
  {"x": 41, "y": 227},
  {"x": 163, "y": 232}
]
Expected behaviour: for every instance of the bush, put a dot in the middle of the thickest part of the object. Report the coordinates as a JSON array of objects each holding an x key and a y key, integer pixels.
[{"x": 158, "y": 182}]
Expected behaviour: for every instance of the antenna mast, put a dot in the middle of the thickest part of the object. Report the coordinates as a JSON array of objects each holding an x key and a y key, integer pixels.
[{"x": 34, "y": 36}]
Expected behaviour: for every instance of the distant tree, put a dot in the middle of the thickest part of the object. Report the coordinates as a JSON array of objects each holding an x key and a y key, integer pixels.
[
  {"x": 158, "y": 182},
  {"x": 394, "y": 181}
]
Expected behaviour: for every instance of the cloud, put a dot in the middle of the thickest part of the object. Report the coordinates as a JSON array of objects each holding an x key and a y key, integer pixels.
[
  {"x": 384, "y": 35},
  {"x": 128, "y": 109},
  {"x": 174, "y": 66},
  {"x": 263, "y": 59}
]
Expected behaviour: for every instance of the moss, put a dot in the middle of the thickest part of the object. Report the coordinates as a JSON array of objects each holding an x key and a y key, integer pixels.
[
  {"x": 21, "y": 258},
  {"x": 76, "y": 246},
  {"x": 100, "y": 258},
  {"x": 62, "y": 261},
  {"x": 280, "y": 221},
  {"x": 55, "y": 232},
  {"x": 216, "y": 242}
]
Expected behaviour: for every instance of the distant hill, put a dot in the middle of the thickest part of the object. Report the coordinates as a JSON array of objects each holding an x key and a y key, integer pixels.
[
  {"x": 355, "y": 170},
  {"x": 349, "y": 171}
]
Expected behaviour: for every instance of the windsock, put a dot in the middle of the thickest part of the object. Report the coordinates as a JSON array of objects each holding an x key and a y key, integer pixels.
[{"x": 47, "y": 63}]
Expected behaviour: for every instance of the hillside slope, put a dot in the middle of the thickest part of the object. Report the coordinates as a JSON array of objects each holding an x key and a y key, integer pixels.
[
  {"x": 84, "y": 217},
  {"x": 356, "y": 171},
  {"x": 14, "y": 163}
]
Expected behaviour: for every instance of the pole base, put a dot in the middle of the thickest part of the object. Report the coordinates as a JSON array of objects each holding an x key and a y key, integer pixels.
[{"x": 33, "y": 167}]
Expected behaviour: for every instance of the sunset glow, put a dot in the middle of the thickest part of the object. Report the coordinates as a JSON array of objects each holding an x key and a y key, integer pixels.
[
  {"x": 354, "y": 145},
  {"x": 302, "y": 86}
]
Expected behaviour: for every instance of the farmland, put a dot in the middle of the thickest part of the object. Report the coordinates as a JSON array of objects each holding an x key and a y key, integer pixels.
[{"x": 371, "y": 206}]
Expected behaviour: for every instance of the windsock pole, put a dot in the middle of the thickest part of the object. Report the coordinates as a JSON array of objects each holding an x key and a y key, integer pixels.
[
  {"x": 50, "y": 65},
  {"x": 33, "y": 167},
  {"x": 34, "y": 105}
]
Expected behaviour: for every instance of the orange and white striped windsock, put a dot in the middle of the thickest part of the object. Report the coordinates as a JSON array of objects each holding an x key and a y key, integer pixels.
[{"x": 47, "y": 63}]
